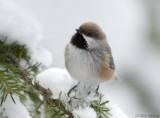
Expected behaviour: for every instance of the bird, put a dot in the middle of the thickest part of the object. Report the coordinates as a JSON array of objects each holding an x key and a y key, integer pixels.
[{"x": 88, "y": 56}]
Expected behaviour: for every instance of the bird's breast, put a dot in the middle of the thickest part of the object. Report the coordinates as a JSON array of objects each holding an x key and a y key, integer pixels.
[{"x": 81, "y": 64}]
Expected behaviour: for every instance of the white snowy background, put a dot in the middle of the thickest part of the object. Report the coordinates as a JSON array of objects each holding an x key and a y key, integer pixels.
[{"x": 127, "y": 24}]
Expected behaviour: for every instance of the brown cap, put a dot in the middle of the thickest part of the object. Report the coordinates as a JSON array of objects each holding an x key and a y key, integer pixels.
[{"x": 91, "y": 29}]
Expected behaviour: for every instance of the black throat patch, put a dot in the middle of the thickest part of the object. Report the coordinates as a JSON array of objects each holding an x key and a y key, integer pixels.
[{"x": 79, "y": 41}]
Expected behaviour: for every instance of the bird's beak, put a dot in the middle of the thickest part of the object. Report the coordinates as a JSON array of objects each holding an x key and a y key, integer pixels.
[{"x": 78, "y": 31}]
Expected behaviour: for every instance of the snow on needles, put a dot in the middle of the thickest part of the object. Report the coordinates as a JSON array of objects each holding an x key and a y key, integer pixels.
[
  {"x": 57, "y": 80},
  {"x": 9, "y": 109},
  {"x": 84, "y": 113},
  {"x": 42, "y": 55},
  {"x": 18, "y": 26},
  {"x": 115, "y": 109}
]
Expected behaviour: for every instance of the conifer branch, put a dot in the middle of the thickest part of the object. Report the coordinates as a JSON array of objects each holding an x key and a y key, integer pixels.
[{"x": 14, "y": 78}]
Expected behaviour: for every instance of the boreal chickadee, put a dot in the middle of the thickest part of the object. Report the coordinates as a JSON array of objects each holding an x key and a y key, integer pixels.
[{"x": 88, "y": 56}]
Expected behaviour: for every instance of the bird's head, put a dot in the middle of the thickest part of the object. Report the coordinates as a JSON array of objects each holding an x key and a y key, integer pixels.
[{"x": 88, "y": 36}]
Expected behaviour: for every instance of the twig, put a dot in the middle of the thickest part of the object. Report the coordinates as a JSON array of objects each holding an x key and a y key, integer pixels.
[{"x": 46, "y": 93}]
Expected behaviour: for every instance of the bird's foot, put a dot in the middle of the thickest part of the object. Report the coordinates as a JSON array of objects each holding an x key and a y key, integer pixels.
[
  {"x": 97, "y": 89},
  {"x": 72, "y": 89}
]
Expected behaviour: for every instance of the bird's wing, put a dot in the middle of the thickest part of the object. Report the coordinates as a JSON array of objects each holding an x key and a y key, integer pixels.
[{"x": 111, "y": 63}]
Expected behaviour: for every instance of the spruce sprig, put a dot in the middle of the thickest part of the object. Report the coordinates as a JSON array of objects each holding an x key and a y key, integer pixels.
[
  {"x": 99, "y": 106},
  {"x": 15, "y": 79},
  {"x": 10, "y": 79}
]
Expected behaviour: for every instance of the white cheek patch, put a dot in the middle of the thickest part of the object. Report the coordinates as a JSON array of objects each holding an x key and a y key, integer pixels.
[{"x": 90, "y": 41}]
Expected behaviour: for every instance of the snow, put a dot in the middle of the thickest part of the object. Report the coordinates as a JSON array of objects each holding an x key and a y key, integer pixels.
[
  {"x": 115, "y": 109},
  {"x": 19, "y": 26},
  {"x": 117, "y": 112},
  {"x": 84, "y": 113},
  {"x": 57, "y": 80},
  {"x": 14, "y": 110},
  {"x": 42, "y": 55}
]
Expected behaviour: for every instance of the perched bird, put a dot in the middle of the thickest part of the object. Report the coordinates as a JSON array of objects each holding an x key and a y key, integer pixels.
[{"x": 88, "y": 56}]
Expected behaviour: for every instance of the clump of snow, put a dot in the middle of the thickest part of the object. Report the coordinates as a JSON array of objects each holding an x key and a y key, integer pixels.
[
  {"x": 115, "y": 109},
  {"x": 117, "y": 112},
  {"x": 42, "y": 55},
  {"x": 82, "y": 96},
  {"x": 86, "y": 112},
  {"x": 14, "y": 110},
  {"x": 17, "y": 25},
  {"x": 57, "y": 80}
]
